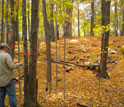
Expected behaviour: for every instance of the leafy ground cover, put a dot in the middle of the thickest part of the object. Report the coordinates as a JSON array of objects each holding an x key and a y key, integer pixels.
[{"x": 82, "y": 85}]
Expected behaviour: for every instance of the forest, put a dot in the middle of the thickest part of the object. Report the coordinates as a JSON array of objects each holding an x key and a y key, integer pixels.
[{"x": 72, "y": 51}]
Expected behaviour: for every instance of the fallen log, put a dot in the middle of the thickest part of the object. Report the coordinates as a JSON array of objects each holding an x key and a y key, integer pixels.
[{"x": 74, "y": 64}]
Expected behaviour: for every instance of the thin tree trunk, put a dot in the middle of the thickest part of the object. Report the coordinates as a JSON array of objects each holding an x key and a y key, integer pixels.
[
  {"x": 48, "y": 47},
  {"x": 92, "y": 19},
  {"x": 2, "y": 25},
  {"x": 52, "y": 24},
  {"x": 116, "y": 20},
  {"x": 56, "y": 47},
  {"x": 29, "y": 25},
  {"x": 64, "y": 52},
  {"x": 70, "y": 28},
  {"x": 78, "y": 21},
  {"x": 17, "y": 34},
  {"x": 6, "y": 21},
  {"x": 105, "y": 39},
  {"x": 16, "y": 25}
]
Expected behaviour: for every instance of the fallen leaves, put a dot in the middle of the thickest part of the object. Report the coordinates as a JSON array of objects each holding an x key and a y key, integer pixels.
[{"x": 82, "y": 86}]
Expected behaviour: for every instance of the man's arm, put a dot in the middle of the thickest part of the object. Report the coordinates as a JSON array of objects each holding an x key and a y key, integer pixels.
[{"x": 10, "y": 63}]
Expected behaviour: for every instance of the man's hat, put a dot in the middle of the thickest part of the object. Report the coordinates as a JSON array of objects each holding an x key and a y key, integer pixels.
[{"x": 5, "y": 45}]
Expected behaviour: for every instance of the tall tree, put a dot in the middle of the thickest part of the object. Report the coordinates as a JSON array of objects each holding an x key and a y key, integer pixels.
[
  {"x": 105, "y": 38},
  {"x": 48, "y": 47},
  {"x": 33, "y": 56},
  {"x": 116, "y": 19},
  {"x": 18, "y": 37},
  {"x": 25, "y": 45},
  {"x": 92, "y": 18}
]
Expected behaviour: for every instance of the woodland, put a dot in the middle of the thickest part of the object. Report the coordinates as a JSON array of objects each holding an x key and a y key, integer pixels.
[{"x": 72, "y": 51}]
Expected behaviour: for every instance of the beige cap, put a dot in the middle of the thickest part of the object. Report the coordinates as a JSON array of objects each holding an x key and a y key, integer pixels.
[{"x": 5, "y": 45}]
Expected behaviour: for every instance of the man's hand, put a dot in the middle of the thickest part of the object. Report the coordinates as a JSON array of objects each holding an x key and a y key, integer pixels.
[{"x": 21, "y": 64}]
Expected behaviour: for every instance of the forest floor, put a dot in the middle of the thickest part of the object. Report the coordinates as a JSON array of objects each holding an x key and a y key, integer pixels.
[{"x": 82, "y": 86}]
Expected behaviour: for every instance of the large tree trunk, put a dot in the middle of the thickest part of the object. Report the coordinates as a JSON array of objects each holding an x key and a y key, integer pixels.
[
  {"x": 105, "y": 39},
  {"x": 52, "y": 24},
  {"x": 25, "y": 45},
  {"x": 92, "y": 19},
  {"x": 67, "y": 28},
  {"x": 33, "y": 82},
  {"x": 116, "y": 20},
  {"x": 48, "y": 47},
  {"x": 2, "y": 25},
  {"x": 68, "y": 22},
  {"x": 11, "y": 36}
]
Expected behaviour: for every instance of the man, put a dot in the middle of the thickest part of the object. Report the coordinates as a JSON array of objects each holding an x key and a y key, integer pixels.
[{"x": 7, "y": 84}]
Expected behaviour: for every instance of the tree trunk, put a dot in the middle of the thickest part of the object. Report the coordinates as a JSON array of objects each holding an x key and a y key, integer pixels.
[
  {"x": 11, "y": 36},
  {"x": 25, "y": 45},
  {"x": 67, "y": 28},
  {"x": 6, "y": 22},
  {"x": 16, "y": 25},
  {"x": 29, "y": 25},
  {"x": 122, "y": 31},
  {"x": 68, "y": 22},
  {"x": 18, "y": 37},
  {"x": 105, "y": 39},
  {"x": 48, "y": 48},
  {"x": 116, "y": 20},
  {"x": 92, "y": 19},
  {"x": 78, "y": 21},
  {"x": 2, "y": 25},
  {"x": 33, "y": 83},
  {"x": 52, "y": 24}
]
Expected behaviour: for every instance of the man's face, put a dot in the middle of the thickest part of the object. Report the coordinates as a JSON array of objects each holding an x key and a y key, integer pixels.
[{"x": 6, "y": 49}]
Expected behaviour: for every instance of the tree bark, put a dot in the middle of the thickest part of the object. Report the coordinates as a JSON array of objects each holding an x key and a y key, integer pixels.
[
  {"x": 25, "y": 45},
  {"x": 116, "y": 20},
  {"x": 52, "y": 34},
  {"x": 122, "y": 31},
  {"x": 11, "y": 36},
  {"x": 105, "y": 39},
  {"x": 2, "y": 25},
  {"x": 6, "y": 22},
  {"x": 92, "y": 19},
  {"x": 68, "y": 22},
  {"x": 29, "y": 25},
  {"x": 48, "y": 48},
  {"x": 78, "y": 21},
  {"x": 33, "y": 83},
  {"x": 16, "y": 24}
]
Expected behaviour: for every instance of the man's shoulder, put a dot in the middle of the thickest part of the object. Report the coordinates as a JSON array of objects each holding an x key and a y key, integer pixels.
[{"x": 4, "y": 53}]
